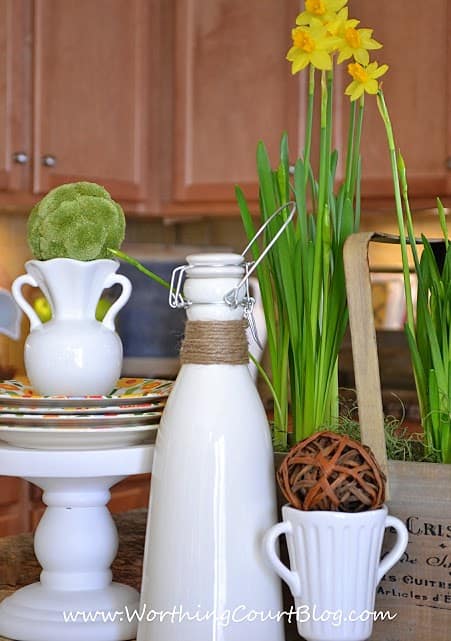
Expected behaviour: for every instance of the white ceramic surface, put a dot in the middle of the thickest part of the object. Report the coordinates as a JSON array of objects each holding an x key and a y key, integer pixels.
[
  {"x": 75, "y": 542},
  {"x": 53, "y": 438},
  {"x": 73, "y": 353},
  {"x": 213, "y": 494},
  {"x": 335, "y": 568}
]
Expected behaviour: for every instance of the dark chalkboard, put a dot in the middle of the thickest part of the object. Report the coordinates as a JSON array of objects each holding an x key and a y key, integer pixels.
[{"x": 147, "y": 325}]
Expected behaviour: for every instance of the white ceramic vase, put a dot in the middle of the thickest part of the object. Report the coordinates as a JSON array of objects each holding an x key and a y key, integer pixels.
[
  {"x": 72, "y": 354},
  {"x": 213, "y": 493},
  {"x": 335, "y": 568}
]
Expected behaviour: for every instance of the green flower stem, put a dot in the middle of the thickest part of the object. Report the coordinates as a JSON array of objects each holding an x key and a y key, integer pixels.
[
  {"x": 323, "y": 186},
  {"x": 324, "y": 157},
  {"x": 309, "y": 121},
  {"x": 128, "y": 259},
  {"x": 399, "y": 210},
  {"x": 356, "y": 149},
  {"x": 350, "y": 148},
  {"x": 329, "y": 111},
  {"x": 409, "y": 221}
]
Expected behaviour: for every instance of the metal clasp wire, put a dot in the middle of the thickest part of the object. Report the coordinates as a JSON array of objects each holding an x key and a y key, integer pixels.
[
  {"x": 177, "y": 301},
  {"x": 231, "y": 298}
]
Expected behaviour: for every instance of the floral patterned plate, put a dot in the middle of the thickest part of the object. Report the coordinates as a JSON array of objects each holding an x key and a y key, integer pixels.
[
  {"x": 63, "y": 421},
  {"x": 128, "y": 391},
  {"x": 78, "y": 411}
]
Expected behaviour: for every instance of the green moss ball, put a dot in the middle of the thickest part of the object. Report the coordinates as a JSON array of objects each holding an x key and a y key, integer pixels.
[{"x": 77, "y": 220}]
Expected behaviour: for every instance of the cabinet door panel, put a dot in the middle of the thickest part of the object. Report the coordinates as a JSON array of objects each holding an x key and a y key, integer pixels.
[
  {"x": 14, "y": 506},
  {"x": 130, "y": 494},
  {"x": 232, "y": 88},
  {"x": 14, "y": 94},
  {"x": 90, "y": 93},
  {"x": 416, "y": 43}
]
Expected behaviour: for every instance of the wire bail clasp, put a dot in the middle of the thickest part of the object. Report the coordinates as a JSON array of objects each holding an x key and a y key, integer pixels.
[
  {"x": 176, "y": 300},
  {"x": 231, "y": 298}
]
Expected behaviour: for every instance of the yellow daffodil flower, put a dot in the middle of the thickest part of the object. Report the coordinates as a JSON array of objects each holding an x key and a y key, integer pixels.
[
  {"x": 355, "y": 42},
  {"x": 324, "y": 10},
  {"x": 336, "y": 26},
  {"x": 311, "y": 45},
  {"x": 364, "y": 79}
]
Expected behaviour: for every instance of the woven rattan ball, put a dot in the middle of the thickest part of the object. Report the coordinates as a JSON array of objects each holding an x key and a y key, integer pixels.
[{"x": 329, "y": 471}]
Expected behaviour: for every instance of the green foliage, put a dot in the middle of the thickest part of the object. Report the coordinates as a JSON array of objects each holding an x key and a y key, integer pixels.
[
  {"x": 400, "y": 443},
  {"x": 429, "y": 334},
  {"x": 303, "y": 285},
  {"x": 302, "y": 278},
  {"x": 76, "y": 220}
]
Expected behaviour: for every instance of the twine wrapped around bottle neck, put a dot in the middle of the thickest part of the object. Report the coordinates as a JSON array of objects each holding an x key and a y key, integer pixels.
[{"x": 214, "y": 342}]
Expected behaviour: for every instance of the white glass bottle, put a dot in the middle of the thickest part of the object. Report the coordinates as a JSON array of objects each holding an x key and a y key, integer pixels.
[{"x": 212, "y": 492}]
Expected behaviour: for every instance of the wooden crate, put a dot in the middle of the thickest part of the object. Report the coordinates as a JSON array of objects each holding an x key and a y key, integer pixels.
[{"x": 418, "y": 589}]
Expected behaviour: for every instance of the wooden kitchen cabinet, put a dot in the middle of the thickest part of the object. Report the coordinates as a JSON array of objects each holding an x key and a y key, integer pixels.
[
  {"x": 21, "y": 506},
  {"x": 15, "y": 82},
  {"x": 90, "y": 94},
  {"x": 14, "y": 506},
  {"x": 417, "y": 88},
  {"x": 232, "y": 87},
  {"x": 164, "y": 101},
  {"x": 76, "y": 81}
]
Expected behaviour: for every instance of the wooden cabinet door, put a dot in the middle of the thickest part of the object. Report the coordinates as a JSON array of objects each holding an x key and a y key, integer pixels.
[
  {"x": 232, "y": 88},
  {"x": 417, "y": 89},
  {"x": 130, "y": 494},
  {"x": 90, "y": 94},
  {"x": 14, "y": 506},
  {"x": 15, "y": 44}
]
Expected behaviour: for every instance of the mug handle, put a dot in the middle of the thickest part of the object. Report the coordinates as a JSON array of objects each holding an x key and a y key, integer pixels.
[
  {"x": 16, "y": 290},
  {"x": 116, "y": 279},
  {"x": 402, "y": 539},
  {"x": 290, "y": 577}
]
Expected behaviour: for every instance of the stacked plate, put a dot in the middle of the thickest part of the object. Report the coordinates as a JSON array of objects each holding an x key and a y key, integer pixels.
[{"x": 130, "y": 415}]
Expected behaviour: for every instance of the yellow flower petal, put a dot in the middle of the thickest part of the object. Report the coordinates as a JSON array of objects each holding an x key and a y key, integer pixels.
[
  {"x": 371, "y": 86},
  {"x": 358, "y": 91},
  {"x": 300, "y": 63},
  {"x": 321, "y": 60},
  {"x": 344, "y": 54},
  {"x": 362, "y": 56},
  {"x": 380, "y": 71},
  {"x": 292, "y": 53}
]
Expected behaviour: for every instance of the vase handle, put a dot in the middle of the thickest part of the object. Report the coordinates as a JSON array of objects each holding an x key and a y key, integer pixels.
[
  {"x": 290, "y": 577},
  {"x": 116, "y": 279},
  {"x": 16, "y": 290},
  {"x": 402, "y": 539}
]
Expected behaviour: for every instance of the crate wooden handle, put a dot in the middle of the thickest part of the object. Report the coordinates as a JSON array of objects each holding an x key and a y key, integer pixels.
[{"x": 363, "y": 341}]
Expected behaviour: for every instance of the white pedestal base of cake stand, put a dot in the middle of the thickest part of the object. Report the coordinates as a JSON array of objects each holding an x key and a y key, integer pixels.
[{"x": 75, "y": 543}]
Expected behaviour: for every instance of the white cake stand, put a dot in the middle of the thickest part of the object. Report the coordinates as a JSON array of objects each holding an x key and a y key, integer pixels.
[{"x": 75, "y": 543}]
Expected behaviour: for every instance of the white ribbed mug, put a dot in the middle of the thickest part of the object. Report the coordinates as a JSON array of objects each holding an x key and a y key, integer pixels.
[{"x": 335, "y": 568}]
